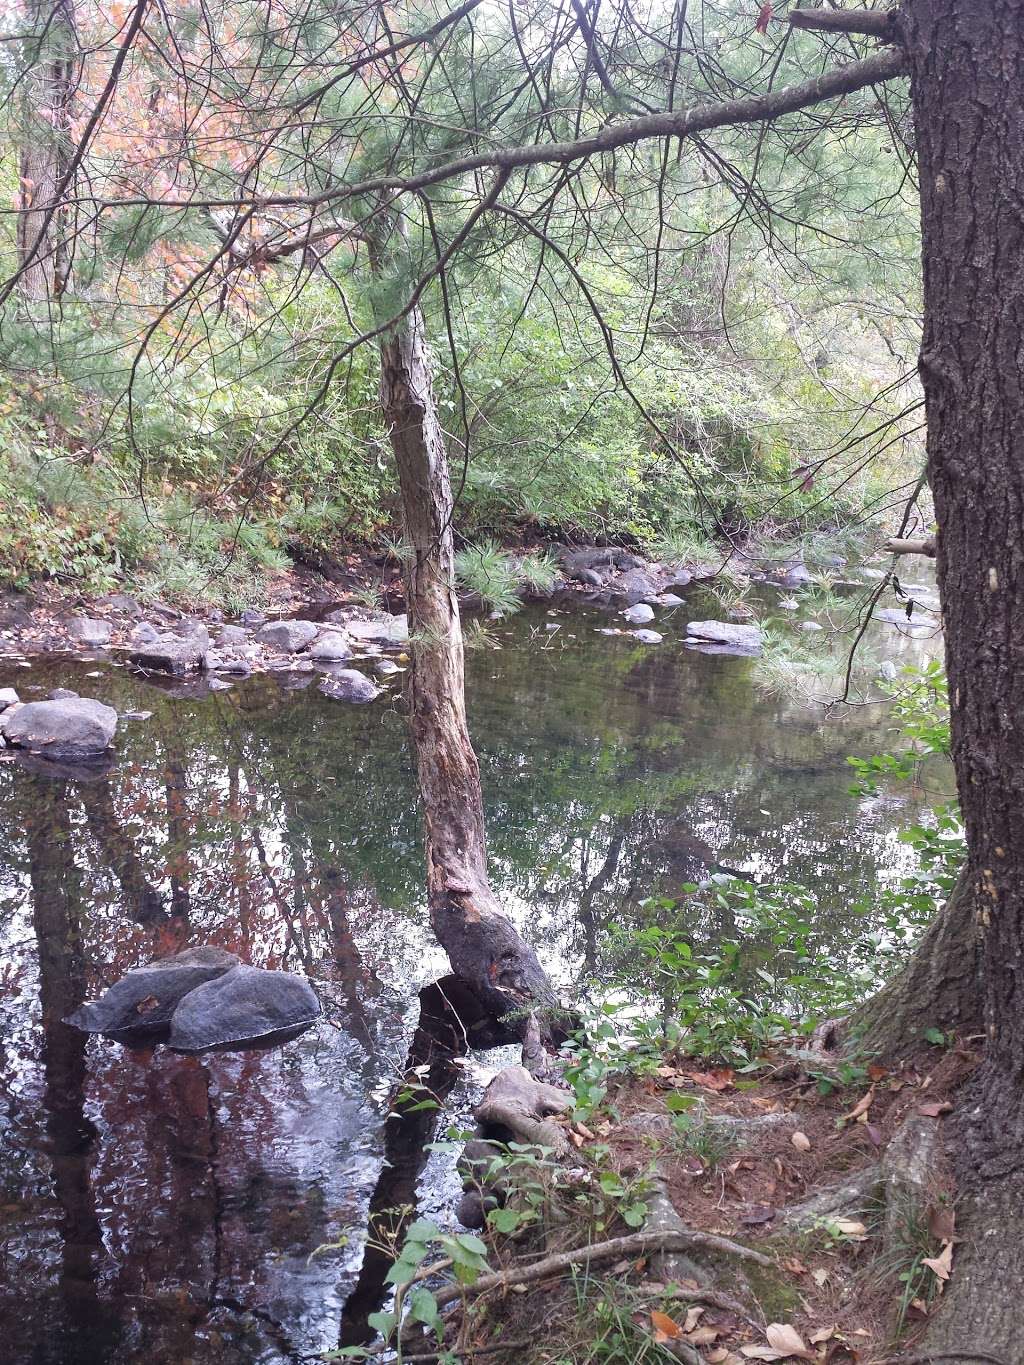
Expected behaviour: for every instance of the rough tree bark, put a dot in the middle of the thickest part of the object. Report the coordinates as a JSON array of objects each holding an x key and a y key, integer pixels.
[
  {"x": 482, "y": 944},
  {"x": 43, "y": 238},
  {"x": 967, "y": 83}
]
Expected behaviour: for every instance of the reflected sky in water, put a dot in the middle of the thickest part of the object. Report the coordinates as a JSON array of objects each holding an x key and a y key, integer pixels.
[{"x": 164, "y": 1208}]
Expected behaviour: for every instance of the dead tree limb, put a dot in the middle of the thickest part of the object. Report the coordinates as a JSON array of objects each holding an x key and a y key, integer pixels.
[
  {"x": 876, "y": 23},
  {"x": 898, "y": 546}
]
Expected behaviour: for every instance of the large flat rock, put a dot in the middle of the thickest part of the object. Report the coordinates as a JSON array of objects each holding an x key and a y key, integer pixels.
[
  {"x": 71, "y": 729},
  {"x": 725, "y": 636},
  {"x": 147, "y": 996},
  {"x": 244, "y": 1005}
]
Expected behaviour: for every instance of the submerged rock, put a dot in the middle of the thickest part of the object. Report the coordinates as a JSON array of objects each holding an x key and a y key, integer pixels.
[
  {"x": 726, "y": 636},
  {"x": 647, "y": 637},
  {"x": 74, "y": 729},
  {"x": 245, "y": 1004},
  {"x": 147, "y": 997},
  {"x": 288, "y": 636},
  {"x": 348, "y": 684}
]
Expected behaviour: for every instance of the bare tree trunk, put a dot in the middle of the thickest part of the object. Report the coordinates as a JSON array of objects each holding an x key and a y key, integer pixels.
[
  {"x": 482, "y": 944},
  {"x": 43, "y": 251}
]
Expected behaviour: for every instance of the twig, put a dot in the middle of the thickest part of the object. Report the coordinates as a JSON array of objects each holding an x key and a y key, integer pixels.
[
  {"x": 614, "y": 1249},
  {"x": 899, "y": 546}
]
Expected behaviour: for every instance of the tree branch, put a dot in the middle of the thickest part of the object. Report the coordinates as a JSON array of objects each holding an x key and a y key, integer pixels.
[
  {"x": 898, "y": 546},
  {"x": 876, "y": 23}
]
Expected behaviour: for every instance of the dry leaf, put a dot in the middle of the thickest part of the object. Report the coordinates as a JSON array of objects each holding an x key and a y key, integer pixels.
[
  {"x": 820, "y": 1277},
  {"x": 801, "y": 1141},
  {"x": 664, "y": 1327},
  {"x": 795, "y": 1266},
  {"x": 703, "y": 1336},
  {"x": 720, "y": 1079},
  {"x": 857, "y": 1232},
  {"x": 822, "y": 1335},
  {"x": 761, "y": 1353},
  {"x": 934, "y": 1108},
  {"x": 941, "y": 1223},
  {"x": 693, "y": 1316},
  {"x": 788, "y": 1340},
  {"x": 876, "y": 1072},
  {"x": 861, "y": 1107},
  {"x": 941, "y": 1264}
]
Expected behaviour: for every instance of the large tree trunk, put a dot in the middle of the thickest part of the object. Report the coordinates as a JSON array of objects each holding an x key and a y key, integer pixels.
[
  {"x": 967, "y": 74},
  {"x": 43, "y": 251},
  {"x": 482, "y": 944},
  {"x": 940, "y": 986}
]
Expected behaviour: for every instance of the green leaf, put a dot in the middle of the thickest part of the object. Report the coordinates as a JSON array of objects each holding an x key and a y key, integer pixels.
[
  {"x": 384, "y": 1323},
  {"x": 935, "y": 1035},
  {"x": 504, "y": 1220}
]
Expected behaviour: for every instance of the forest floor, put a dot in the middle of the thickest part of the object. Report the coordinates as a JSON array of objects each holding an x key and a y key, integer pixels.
[{"x": 847, "y": 1193}]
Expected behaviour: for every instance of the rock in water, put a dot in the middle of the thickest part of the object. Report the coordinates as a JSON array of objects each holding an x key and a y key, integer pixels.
[
  {"x": 725, "y": 636},
  {"x": 170, "y": 654},
  {"x": 148, "y": 996},
  {"x": 73, "y": 729},
  {"x": 647, "y": 637},
  {"x": 330, "y": 648},
  {"x": 287, "y": 636},
  {"x": 245, "y": 1004},
  {"x": 639, "y": 615},
  {"x": 389, "y": 631},
  {"x": 348, "y": 684},
  {"x": 8, "y": 697}
]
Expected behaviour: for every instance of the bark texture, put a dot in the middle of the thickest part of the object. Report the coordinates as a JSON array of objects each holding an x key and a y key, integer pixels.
[
  {"x": 940, "y": 987},
  {"x": 49, "y": 86},
  {"x": 967, "y": 80},
  {"x": 482, "y": 944},
  {"x": 967, "y": 73}
]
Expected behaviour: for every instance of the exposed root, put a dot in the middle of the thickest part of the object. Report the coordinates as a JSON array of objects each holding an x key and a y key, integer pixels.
[
  {"x": 516, "y": 1104},
  {"x": 617, "y": 1248}
]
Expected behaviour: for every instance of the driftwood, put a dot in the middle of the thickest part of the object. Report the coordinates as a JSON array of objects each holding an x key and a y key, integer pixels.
[{"x": 517, "y": 1104}]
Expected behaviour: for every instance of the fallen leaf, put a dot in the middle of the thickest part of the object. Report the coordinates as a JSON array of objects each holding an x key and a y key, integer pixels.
[
  {"x": 801, "y": 1141},
  {"x": 787, "y": 1339},
  {"x": 874, "y": 1134},
  {"x": 942, "y": 1264},
  {"x": 719, "y": 1079},
  {"x": 761, "y": 1353},
  {"x": 149, "y": 1003},
  {"x": 664, "y": 1327},
  {"x": 876, "y": 1072},
  {"x": 861, "y": 1107},
  {"x": 693, "y": 1316},
  {"x": 941, "y": 1223},
  {"x": 703, "y": 1336},
  {"x": 820, "y": 1277},
  {"x": 822, "y": 1334},
  {"x": 849, "y": 1227},
  {"x": 758, "y": 1213},
  {"x": 795, "y": 1266},
  {"x": 934, "y": 1108}
]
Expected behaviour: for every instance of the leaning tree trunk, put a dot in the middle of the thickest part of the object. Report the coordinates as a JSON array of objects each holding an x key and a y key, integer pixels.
[
  {"x": 48, "y": 85},
  {"x": 967, "y": 81},
  {"x": 482, "y": 944}
]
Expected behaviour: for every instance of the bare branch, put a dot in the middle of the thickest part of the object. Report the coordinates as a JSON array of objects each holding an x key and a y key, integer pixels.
[
  {"x": 876, "y": 23},
  {"x": 897, "y": 546}
]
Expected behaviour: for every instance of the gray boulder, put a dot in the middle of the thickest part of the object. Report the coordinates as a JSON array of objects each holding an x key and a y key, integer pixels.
[
  {"x": 252, "y": 617},
  {"x": 245, "y": 1004},
  {"x": 348, "y": 684},
  {"x": 170, "y": 654},
  {"x": 639, "y": 615},
  {"x": 636, "y": 586},
  {"x": 8, "y": 697},
  {"x": 147, "y": 996},
  {"x": 669, "y": 599},
  {"x": 386, "y": 668},
  {"x": 678, "y": 578},
  {"x": 390, "y": 630},
  {"x": 647, "y": 637},
  {"x": 87, "y": 630},
  {"x": 725, "y": 636},
  {"x": 74, "y": 729},
  {"x": 330, "y": 648},
  {"x": 144, "y": 633},
  {"x": 61, "y": 694},
  {"x": 232, "y": 635},
  {"x": 287, "y": 636}
]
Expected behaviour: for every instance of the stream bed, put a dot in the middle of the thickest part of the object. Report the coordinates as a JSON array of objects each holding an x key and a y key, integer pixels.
[{"x": 163, "y": 1208}]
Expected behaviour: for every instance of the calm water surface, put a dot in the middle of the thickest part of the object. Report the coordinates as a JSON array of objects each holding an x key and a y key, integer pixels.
[{"x": 161, "y": 1208}]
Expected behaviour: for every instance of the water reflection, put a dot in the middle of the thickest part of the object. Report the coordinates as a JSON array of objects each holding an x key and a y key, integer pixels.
[{"x": 165, "y": 1208}]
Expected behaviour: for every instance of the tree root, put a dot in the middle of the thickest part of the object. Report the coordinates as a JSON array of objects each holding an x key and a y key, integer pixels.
[
  {"x": 517, "y": 1104},
  {"x": 617, "y": 1248}
]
